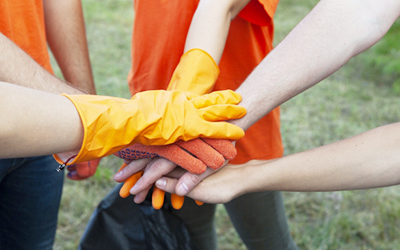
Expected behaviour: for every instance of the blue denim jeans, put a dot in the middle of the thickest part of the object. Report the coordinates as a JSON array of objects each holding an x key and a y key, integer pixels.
[{"x": 30, "y": 194}]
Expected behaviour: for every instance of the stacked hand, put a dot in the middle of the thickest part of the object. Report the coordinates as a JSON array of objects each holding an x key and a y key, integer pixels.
[
  {"x": 193, "y": 156},
  {"x": 152, "y": 117},
  {"x": 197, "y": 73}
]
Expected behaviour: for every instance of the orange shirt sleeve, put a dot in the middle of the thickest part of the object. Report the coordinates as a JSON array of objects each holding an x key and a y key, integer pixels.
[{"x": 259, "y": 12}]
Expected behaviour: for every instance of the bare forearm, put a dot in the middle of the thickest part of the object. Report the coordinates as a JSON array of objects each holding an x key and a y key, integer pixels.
[
  {"x": 210, "y": 26},
  {"x": 36, "y": 123},
  {"x": 368, "y": 160},
  {"x": 19, "y": 68},
  {"x": 65, "y": 30},
  {"x": 327, "y": 38}
]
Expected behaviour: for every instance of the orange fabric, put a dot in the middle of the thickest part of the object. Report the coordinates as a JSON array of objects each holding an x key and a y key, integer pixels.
[
  {"x": 259, "y": 12},
  {"x": 22, "y": 21},
  {"x": 158, "y": 41}
]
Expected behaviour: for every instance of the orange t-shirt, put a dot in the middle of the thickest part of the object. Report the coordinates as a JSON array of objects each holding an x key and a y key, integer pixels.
[
  {"x": 158, "y": 42},
  {"x": 22, "y": 21}
]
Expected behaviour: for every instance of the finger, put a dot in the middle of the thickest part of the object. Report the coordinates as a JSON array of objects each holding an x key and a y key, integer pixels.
[
  {"x": 224, "y": 147},
  {"x": 204, "y": 152},
  {"x": 166, "y": 184},
  {"x": 217, "y": 97},
  {"x": 122, "y": 166},
  {"x": 199, "y": 203},
  {"x": 177, "y": 201},
  {"x": 153, "y": 171},
  {"x": 215, "y": 130},
  {"x": 188, "y": 181},
  {"x": 171, "y": 152},
  {"x": 140, "y": 197},
  {"x": 127, "y": 161},
  {"x": 222, "y": 112},
  {"x": 130, "y": 169},
  {"x": 176, "y": 173},
  {"x": 169, "y": 184},
  {"x": 129, "y": 183},
  {"x": 157, "y": 198},
  {"x": 182, "y": 158}
]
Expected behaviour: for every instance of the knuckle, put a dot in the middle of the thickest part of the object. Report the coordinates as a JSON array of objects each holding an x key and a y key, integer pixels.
[
  {"x": 160, "y": 165},
  {"x": 194, "y": 178}
]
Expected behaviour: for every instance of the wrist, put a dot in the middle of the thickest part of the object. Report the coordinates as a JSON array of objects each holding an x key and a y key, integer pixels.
[
  {"x": 261, "y": 176},
  {"x": 196, "y": 72}
]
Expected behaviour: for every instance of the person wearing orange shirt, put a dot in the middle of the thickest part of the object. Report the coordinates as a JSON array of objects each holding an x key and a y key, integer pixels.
[
  {"x": 240, "y": 35},
  {"x": 326, "y": 39},
  {"x": 37, "y": 120},
  {"x": 30, "y": 187}
]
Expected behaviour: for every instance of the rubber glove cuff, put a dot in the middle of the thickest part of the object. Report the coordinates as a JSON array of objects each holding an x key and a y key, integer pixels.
[{"x": 196, "y": 72}]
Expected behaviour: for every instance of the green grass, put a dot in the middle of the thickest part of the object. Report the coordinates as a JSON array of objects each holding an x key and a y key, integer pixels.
[{"x": 348, "y": 103}]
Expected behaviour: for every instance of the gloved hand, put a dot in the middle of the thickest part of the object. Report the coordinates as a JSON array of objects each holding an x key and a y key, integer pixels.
[
  {"x": 196, "y": 72},
  {"x": 194, "y": 155},
  {"x": 152, "y": 117},
  {"x": 157, "y": 196},
  {"x": 82, "y": 170},
  {"x": 213, "y": 156}
]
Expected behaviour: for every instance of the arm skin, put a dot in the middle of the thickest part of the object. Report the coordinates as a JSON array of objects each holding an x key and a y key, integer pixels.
[
  {"x": 368, "y": 160},
  {"x": 66, "y": 36},
  {"x": 70, "y": 51},
  {"x": 210, "y": 26},
  {"x": 19, "y": 68},
  {"x": 35, "y": 123},
  {"x": 208, "y": 31},
  {"x": 332, "y": 33}
]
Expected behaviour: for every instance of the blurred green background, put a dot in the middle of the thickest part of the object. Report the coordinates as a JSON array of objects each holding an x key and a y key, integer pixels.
[{"x": 360, "y": 96}]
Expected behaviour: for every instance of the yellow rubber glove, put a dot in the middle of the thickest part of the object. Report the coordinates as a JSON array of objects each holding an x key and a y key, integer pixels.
[
  {"x": 152, "y": 118},
  {"x": 196, "y": 72}
]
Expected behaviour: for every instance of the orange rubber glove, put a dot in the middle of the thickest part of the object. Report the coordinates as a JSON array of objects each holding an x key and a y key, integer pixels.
[
  {"x": 83, "y": 170},
  {"x": 152, "y": 117},
  {"x": 206, "y": 156}
]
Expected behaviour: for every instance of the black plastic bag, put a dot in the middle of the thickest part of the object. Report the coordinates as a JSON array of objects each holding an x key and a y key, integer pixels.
[{"x": 121, "y": 224}]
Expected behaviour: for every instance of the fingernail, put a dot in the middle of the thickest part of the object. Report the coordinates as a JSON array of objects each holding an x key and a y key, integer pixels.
[
  {"x": 133, "y": 189},
  {"x": 117, "y": 175},
  {"x": 161, "y": 183},
  {"x": 183, "y": 188}
]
